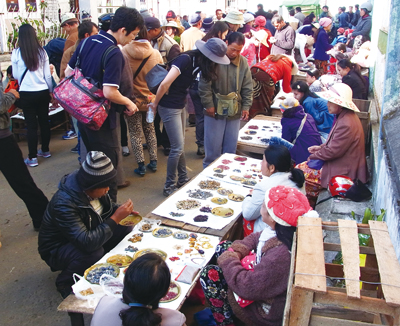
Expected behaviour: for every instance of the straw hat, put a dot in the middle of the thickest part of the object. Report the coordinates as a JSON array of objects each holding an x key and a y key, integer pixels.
[
  {"x": 234, "y": 17},
  {"x": 316, "y": 25},
  {"x": 340, "y": 94},
  {"x": 174, "y": 25},
  {"x": 261, "y": 36},
  {"x": 214, "y": 49}
]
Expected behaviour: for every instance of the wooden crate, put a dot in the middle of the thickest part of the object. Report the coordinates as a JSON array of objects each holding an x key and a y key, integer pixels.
[
  {"x": 365, "y": 117},
  {"x": 311, "y": 302}
]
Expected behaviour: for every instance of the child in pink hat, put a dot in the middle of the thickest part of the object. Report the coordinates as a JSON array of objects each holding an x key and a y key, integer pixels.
[{"x": 255, "y": 292}]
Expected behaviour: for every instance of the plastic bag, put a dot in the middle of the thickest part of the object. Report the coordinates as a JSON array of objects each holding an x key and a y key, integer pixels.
[
  {"x": 111, "y": 286},
  {"x": 84, "y": 290}
]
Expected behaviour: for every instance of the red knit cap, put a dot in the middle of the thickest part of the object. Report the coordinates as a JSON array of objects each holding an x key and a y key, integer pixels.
[
  {"x": 260, "y": 21},
  {"x": 286, "y": 204}
]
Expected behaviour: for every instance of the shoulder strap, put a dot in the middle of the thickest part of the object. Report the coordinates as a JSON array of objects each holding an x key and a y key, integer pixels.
[
  {"x": 105, "y": 54},
  {"x": 78, "y": 59},
  {"x": 141, "y": 66},
  {"x": 300, "y": 128},
  {"x": 237, "y": 77},
  {"x": 23, "y": 76}
]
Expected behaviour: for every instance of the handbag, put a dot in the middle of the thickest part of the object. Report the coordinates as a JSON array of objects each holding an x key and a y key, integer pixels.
[
  {"x": 81, "y": 98},
  {"x": 228, "y": 105}
]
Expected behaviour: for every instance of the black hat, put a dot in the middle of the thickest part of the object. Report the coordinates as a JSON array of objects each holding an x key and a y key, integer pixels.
[
  {"x": 171, "y": 14},
  {"x": 208, "y": 23},
  {"x": 97, "y": 171},
  {"x": 152, "y": 23}
]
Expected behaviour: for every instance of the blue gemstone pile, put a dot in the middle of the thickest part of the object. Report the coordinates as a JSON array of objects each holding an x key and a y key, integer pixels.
[{"x": 95, "y": 274}]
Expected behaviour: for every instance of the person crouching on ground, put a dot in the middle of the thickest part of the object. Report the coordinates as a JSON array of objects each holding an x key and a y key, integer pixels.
[
  {"x": 260, "y": 277},
  {"x": 81, "y": 223},
  {"x": 146, "y": 282}
]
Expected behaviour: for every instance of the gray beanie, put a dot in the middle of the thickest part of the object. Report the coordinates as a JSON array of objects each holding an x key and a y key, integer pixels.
[{"x": 97, "y": 171}]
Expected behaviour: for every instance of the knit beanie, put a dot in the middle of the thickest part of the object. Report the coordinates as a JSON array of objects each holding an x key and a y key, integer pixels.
[
  {"x": 289, "y": 102},
  {"x": 97, "y": 171},
  {"x": 260, "y": 21},
  {"x": 325, "y": 22},
  {"x": 286, "y": 204}
]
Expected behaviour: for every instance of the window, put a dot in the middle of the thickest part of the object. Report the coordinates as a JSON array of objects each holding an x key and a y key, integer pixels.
[
  {"x": 30, "y": 5},
  {"x": 12, "y": 5}
]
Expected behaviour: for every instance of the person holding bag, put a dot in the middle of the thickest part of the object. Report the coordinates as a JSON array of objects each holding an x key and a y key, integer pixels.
[
  {"x": 141, "y": 57},
  {"x": 171, "y": 97},
  {"x": 226, "y": 100},
  {"x": 30, "y": 66}
]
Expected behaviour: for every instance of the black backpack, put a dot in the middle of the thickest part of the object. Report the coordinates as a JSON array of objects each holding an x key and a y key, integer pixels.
[{"x": 55, "y": 50}]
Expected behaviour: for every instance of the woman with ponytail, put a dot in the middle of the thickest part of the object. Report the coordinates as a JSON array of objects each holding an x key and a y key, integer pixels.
[
  {"x": 351, "y": 75},
  {"x": 250, "y": 281},
  {"x": 278, "y": 170},
  {"x": 146, "y": 282}
]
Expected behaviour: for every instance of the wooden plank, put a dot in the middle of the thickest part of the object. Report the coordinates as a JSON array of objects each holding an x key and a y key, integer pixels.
[
  {"x": 259, "y": 149},
  {"x": 290, "y": 283},
  {"x": 371, "y": 305},
  {"x": 350, "y": 253},
  {"x": 328, "y": 321},
  {"x": 389, "y": 267},
  {"x": 337, "y": 247},
  {"x": 310, "y": 261},
  {"x": 73, "y": 304},
  {"x": 365, "y": 293},
  {"x": 342, "y": 313},
  {"x": 300, "y": 308},
  {"x": 267, "y": 117},
  {"x": 368, "y": 274},
  {"x": 333, "y": 226}
]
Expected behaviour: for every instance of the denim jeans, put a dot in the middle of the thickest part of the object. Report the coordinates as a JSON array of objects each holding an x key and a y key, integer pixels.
[
  {"x": 174, "y": 122},
  {"x": 199, "y": 110},
  {"x": 280, "y": 141},
  {"x": 220, "y": 136}
]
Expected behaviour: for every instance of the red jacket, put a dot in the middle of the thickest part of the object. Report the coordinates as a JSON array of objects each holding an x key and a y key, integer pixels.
[
  {"x": 282, "y": 69},
  {"x": 12, "y": 84}
]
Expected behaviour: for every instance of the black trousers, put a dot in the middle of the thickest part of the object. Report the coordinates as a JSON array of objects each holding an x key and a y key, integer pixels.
[
  {"x": 124, "y": 130},
  {"x": 35, "y": 106},
  {"x": 70, "y": 259},
  {"x": 104, "y": 140},
  {"x": 16, "y": 173}
]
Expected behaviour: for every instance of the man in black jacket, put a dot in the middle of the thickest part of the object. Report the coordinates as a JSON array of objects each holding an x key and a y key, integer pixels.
[{"x": 81, "y": 223}]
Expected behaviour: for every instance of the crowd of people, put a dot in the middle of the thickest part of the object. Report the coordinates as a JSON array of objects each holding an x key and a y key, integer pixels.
[{"x": 220, "y": 70}]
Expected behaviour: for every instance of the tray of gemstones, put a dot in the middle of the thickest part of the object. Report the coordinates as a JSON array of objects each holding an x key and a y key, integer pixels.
[{"x": 259, "y": 132}]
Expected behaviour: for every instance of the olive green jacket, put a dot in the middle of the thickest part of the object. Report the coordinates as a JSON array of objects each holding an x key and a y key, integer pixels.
[{"x": 6, "y": 100}]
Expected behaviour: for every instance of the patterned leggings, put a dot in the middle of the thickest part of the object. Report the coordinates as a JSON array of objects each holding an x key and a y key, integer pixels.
[
  {"x": 137, "y": 123},
  {"x": 216, "y": 289}
]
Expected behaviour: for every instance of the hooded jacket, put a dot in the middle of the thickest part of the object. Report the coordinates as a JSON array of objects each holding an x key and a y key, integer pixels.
[
  {"x": 6, "y": 100},
  {"x": 363, "y": 26},
  {"x": 318, "y": 108},
  {"x": 309, "y": 136},
  {"x": 135, "y": 52},
  {"x": 69, "y": 218}
]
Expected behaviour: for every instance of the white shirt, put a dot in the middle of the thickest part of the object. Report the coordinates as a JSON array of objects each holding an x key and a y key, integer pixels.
[{"x": 34, "y": 81}]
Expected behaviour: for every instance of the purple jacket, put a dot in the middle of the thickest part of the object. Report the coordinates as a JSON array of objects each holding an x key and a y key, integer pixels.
[
  {"x": 266, "y": 285},
  {"x": 309, "y": 136}
]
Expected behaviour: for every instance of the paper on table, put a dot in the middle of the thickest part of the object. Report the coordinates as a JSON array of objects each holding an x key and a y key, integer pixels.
[
  {"x": 265, "y": 129},
  {"x": 166, "y": 245},
  {"x": 214, "y": 222},
  {"x": 52, "y": 112}
]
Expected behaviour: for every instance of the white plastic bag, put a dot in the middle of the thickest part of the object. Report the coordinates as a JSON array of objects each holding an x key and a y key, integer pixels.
[
  {"x": 83, "y": 289},
  {"x": 111, "y": 286}
]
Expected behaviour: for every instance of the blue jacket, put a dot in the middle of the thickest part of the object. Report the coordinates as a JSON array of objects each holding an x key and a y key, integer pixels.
[
  {"x": 309, "y": 136},
  {"x": 321, "y": 46},
  {"x": 363, "y": 26},
  {"x": 318, "y": 109},
  {"x": 343, "y": 20}
]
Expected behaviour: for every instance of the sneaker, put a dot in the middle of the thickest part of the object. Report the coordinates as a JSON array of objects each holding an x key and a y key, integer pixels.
[
  {"x": 70, "y": 135},
  {"x": 32, "y": 162},
  {"x": 43, "y": 154},
  {"x": 141, "y": 170},
  {"x": 200, "y": 151},
  {"x": 75, "y": 149},
  {"x": 125, "y": 151},
  {"x": 182, "y": 183},
  {"x": 152, "y": 166},
  {"x": 169, "y": 190}
]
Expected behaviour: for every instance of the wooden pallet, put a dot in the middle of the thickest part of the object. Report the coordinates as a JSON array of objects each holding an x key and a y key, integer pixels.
[{"x": 311, "y": 302}]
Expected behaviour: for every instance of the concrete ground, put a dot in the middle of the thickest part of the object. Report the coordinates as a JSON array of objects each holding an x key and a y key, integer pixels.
[{"x": 27, "y": 291}]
